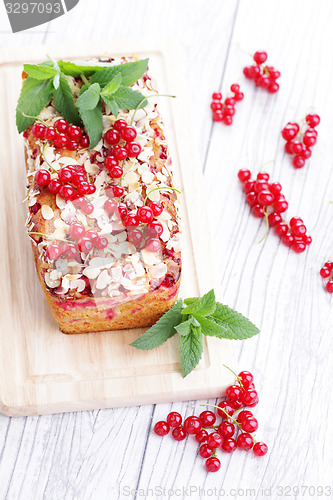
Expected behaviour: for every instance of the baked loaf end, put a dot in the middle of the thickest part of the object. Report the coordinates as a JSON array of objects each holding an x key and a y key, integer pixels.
[{"x": 131, "y": 274}]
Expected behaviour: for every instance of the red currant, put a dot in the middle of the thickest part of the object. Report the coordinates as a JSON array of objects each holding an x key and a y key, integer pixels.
[
  {"x": 298, "y": 246},
  {"x": 50, "y": 133},
  {"x": 218, "y": 116},
  {"x": 249, "y": 396},
  {"x": 325, "y": 272},
  {"x": 156, "y": 207},
  {"x": 38, "y": 130},
  {"x": 53, "y": 252},
  {"x": 214, "y": 440},
  {"x": 248, "y": 187},
  {"x": 116, "y": 172},
  {"x": 153, "y": 245},
  {"x": 145, "y": 215},
  {"x": 281, "y": 206},
  {"x": 287, "y": 239},
  {"x": 234, "y": 392},
  {"x": 101, "y": 242},
  {"x": 329, "y": 286},
  {"x": 213, "y": 464},
  {"x": 74, "y": 133},
  {"x": 133, "y": 149},
  {"x": 178, "y": 434},
  {"x": 192, "y": 425},
  {"x": 260, "y": 57},
  {"x": 92, "y": 236},
  {"x": 119, "y": 124},
  {"x": 229, "y": 445},
  {"x": 154, "y": 229},
  {"x": 226, "y": 429},
  {"x": 244, "y": 175},
  {"x": 122, "y": 211},
  {"x": 258, "y": 211},
  {"x": 61, "y": 126},
  {"x": 260, "y": 449},
  {"x": 119, "y": 153},
  {"x": 227, "y": 409},
  {"x": 67, "y": 192},
  {"x": 70, "y": 251},
  {"x": 245, "y": 441},
  {"x": 274, "y": 218},
  {"x": 84, "y": 141},
  {"x": 249, "y": 424},
  {"x": 174, "y": 419},
  {"x": 205, "y": 451},
  {"x": 261, "y": 185},
  {"x": 246, "y": 378},
  {"x": 128, "y": 133},
  {"x": 85, "y": 244},
  {"x": 312, "y": 120},
  {"x": 298, "y": 161},
  {"x": 207, "y": 418},
  {"x": 201, "y": 436},
  {"x": 244, "y": 415},
  {"x": 118, "y": 191},
  {"x": 161, "y": 428},
  {"x": 252, "y": 199},
  {"x": 54, "y": 186},
  {"x": 65, "y": 175},
  {"x": 110, "y": 162},
  {"x": 217, "y": 96},
  {"x": 110, "y": 206},
  {"x": 112, "y": 136},
  {"x": 130, "y": 220},
  {"x": 87, "y": 208},
  {"x": 61, "y": 141},
  {"x": 42, "y": 177},
  {"x": 76, "y": 231},
  {"x": 265, "y": 198}
]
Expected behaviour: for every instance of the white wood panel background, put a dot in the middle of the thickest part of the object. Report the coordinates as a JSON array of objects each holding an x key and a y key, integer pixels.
[{"x": 101, "y": 454}]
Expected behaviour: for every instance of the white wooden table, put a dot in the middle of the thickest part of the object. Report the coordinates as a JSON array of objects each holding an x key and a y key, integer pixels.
[{"x": 111, "y": 454}]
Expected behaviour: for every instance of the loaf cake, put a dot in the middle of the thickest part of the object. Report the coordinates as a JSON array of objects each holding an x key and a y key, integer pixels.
[{"x": 103, "y": 221}]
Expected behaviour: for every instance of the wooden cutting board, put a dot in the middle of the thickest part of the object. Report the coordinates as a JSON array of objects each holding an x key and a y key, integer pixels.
[{"x": 44, "y": 371}]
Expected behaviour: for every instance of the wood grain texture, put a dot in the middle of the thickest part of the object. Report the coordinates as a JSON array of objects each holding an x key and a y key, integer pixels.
[{"x": 97, "y": 454}]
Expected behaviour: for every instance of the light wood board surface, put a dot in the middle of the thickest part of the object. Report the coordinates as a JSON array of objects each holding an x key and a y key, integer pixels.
[{"x": 103, "y": 454}]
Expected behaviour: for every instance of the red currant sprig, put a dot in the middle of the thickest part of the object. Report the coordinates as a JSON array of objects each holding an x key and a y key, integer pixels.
[
  {"x": 266, "y": 200},
  {"x": 62, "y": 134},
  {"x": 299, "y": 143},
  {"x": 224, "y": 111},
  {"x": 327, "y": 272},
  {"x": 263, "y": 76}
]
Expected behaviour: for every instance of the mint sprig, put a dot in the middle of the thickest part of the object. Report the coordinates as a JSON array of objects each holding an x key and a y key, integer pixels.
[
  {"x": 191, "y": 319},
  {"x": 102, "y": 84}
]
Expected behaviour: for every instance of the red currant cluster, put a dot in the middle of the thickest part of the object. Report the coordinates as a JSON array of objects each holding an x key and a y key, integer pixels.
[
  {"x": 327, "y": 272},
  {"x": 299, "y": 143},
  {"x": 263, "y": 76},
  {"x": 70, "y": 184},
  {"x": 62, "y": 135},
  {"x": 121, "y": 138},
  {"x": 266, "y": 200},
  {"x": 224, "y": 111},
  {"x": 240, "y": 395}
]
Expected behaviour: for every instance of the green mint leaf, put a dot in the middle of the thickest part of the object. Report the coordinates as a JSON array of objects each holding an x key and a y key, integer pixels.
[
  {"x": 76, "y": 70},
  {"x": 210, "y": 328},
  {"x": 64, "y": 101},
  {"x": 191, "y": 349},
  {"x": 93, "y": 122},
  {"x": 130, "y": 73},
  {"x": 35, "y": 94},
  {"x": 163, "y": 329},
  {"x": 111, "y": 104},
  {"x": 39, "y": 72},
  {"x": 237, "y": 326},
  {"x": 202, "y": 306},
  {"x": 112, "y": 86},
  {"x": 184, "y": 328},
  {"x": 89, "y": 99},
  {"x": 129, "y": 99}
]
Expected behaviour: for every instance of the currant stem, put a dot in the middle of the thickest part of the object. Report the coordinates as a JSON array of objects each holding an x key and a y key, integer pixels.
[
  {"x": 48, "y": 236},
  {"x": 237, "y": 378},
  {"x": 85, "y": 79},
  {"x": 266, "y": 163},
  {"x": 148, "y": 97},
  {"x": 44, "y": 158},
  {"x": 35, "y": 118},
  {"x": 166, "y": 188},
  {"x": 267, "y": 226}
]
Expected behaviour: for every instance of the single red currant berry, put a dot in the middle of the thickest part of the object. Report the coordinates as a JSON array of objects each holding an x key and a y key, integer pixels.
[
  {"x": 281, "y": 229},
  {"x": 50, "y": 133},
  {"x": 133, "y": 149},
  {"x": 73, "y": 145},
  {"x": 312, "y": 120},
  {"x": 42, "y": 177},
  {"x": 245, "y": 441},
  {"x": 87, "y": 208},
  {"x": 299, "y": 230},
  {"x": 298, "y": 246},
  {"x": 145, "y": 215},
  {"x": 260, "y": 449},
  {"x": 54, "y": 186},
  {"x": 234, "y": 392},
  {"x": 130, "y": 220},
  {"x": 258, "y": 211},
  {"x": 101, "y": 242},
  {"x": 246, "y": 378},
  {"x": 216, "y": 106},
  {"x": 248, "y": 187},
  {"x": 128, "y": 134},
  {"x": 110, "y": 206},
  {"x": 218, "y": 116},
  {"x": 76, "y": 231},
  {"x": 61, "y": 141},
  {"x": 239, "y": 96},
  {"x": 153, "y": 245},
  {"x": 174, "y": 419},
  {"x": 213, "y": 464},
  {"x": 249, "y": 396},
  {"x": 244, "y": 415},
  {"x": 110, "y": 162},
  {"x": 67, "y": 192},
  {"x": 234, "y": 88},
  {"x": 178, "y": 434},
  {"x": 226, "y": 429},
  {"x": 251, "y": 199},
  {"x": 112, "y": 136},
  {"x": 70, "y": 251},
  {"x": 205, "y": 451},
  {"x": 118, "y": 191},
  {"x": 237, "y": 404},
  {"x": 154, "y": 229},
  {"x": 274, "y": 218},
  {"x": 298, "y": 161},
  {"x": 260, "y": 57},
  {"x": 92, "y": 236},
  {"x": 84, "y": 141},
  {"x": 74, "y": 132},
  {"x": 214, "y": 440},
  {"x": 92, "y": 188},
  {"x": 297, "y": 147},
  {"x": 38, "y": 130},
  {"x": 307, "y": 239},
  {"x": 116, "y": 172},
  {"x": 61, "y": 126},
  {"x": 275, "y": 188},
  {"x": 229, "y": 445},
  {"x": 201, "y": 436},
  {"x": 329, "y": 286},
  {"x": 309, "y": 140},
  {"x": 192, "y": 425},
  {"x": 119, "y": 153},
  {"x": 156, "y": 207},
  {"x": 161, "y": 428},
  {"x": 287, "y": 239},
  {"x": 306, "y": 153},
  {"x": 254, "y": 403},
  {"x": 78, "y": 202},
  {"x": 228, "y": 111},
  {"x": 119, "y": 124},
  {"x": 122, "y": 211},
  {"x": 207, "y": 418},
  {"x": 265, "y": 198},
  {"x": 281, "y": 206},
  {"x": 217, "y": 96},
  {"x": 329, "y": 265},
  {"x": 325, "y": 272},
  {"x": 244, "y": 175},
  {"x": 83, "y": 188},
  {"x": 135, "y": 237},
  {"x": 85, "y": 244},
  {"x": 65, "y": 175},
  {"x": 288, "y": 147},
  {"x": 294, "y": 221},
  {"x": 249, "y": 424},
  {"x": 227, "y": 409},
  {"x": 263, "y": 81},
  {"x": 273, "y": 87},
  {"x": 263, "y": 176},
  {"x": 289, "y": 133},
  {"x": 261, "y": 185},
  {"x": 230, "y": 101},
  {"x": 53, "y": 252}
]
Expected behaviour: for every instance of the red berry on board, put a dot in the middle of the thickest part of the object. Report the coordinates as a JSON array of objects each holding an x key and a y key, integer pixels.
[
  {"x": 84, "y": 141},
  {"x": 263, "y": 176},
  {"x": 275, "y": 188},
  {"x": 110, "y": 206},
  {"x": 207, "y": 418},
  {"x": 145, "y": 215},
  {"x": 201, "y": 436},
  {"x": 297, "y": 147},
  {"x": 312, "y": 120},
  {"x": 273, "y": 87},
  {"x": 239, "y": 96},
  {"x": 53, "y": 252},
  {"x": 234, "y": 88},
  {"x": 133, "y": 149},
  {"x": 39, "y": 130},
  {"x": 248, "y": 186},
  {"x": 287, "y": 239},
  {"x": 227, "y": 409},
  {"x": 249, "y": 424},
  {"x": 54, "y": 186},
  {"x": 299, "y": 230},
  {"x": 205, "y": 451},
  {"x": 135, "y": 237},
  {"x": 309, "y": 140},
  {"x": 74, "y": 132},
  {"x": 174, "y": 419},
  {"x": 156, "y": 207},
  {"x": 260, "y": 449},
  {"x": 258, "y": 211},
  {"x": 281, "y": 229},
  {"x": 229, "y": 445},
  {"x": 234, "y": 392},
  {"x": 130, "y": 220},
  {"x": 244, "y": 175},
  {"x": 307, "y": 239},
  {"x": 244, "y": 414},
  {"x": 281, "y": 206},
  {"x": 216, "y": 106},
  {"x": 289, "y": 147},
  {"x": 213, "y": 464},
  {"x": 298, "y": 161},
  {"x": 274, "y": 218},
  {"x": 230, "y": 101},
  {"x": 192, "y": 425},
  {"x": 61, "y": 125},
  {"x": 261, "y": 185},
  {"x": 252, "y": 199},
  {"x": 217, "y": 96},
  {"x": 67, "y": 192},
  {"x": 214, "y": 440},
  {"x": 265, "y": 198},
  {"x": 245, "y": 441},
  {"x": 50, "y": 133},
  {"x": 178, "y": 434},
  {"x": 260, "y": 57},
  {"x": 325, "y": 272},
  {"x": 61, "y": 141},
  {"x": 329, "y": 265},
  {"x": 298, "y": 246},
  {"x": 289, "y": 133},
  {"x": 42, "y": 177},
  {"x": 161, "y": 428},
  {"x": 76, "y": 231},
  {"x": 119, "y": 124},
  {"x": 294, "y": 221},
  {"x": 249, "y": 396},
  {"x": 218, "y": 116},
  {"x": 110, "y": 162},
  {"x": 329, "y": 286},
  {"x": 112, "y": 136},
  {"x": 87, "y": 208},
  {"x": 226, "y": 429}
]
